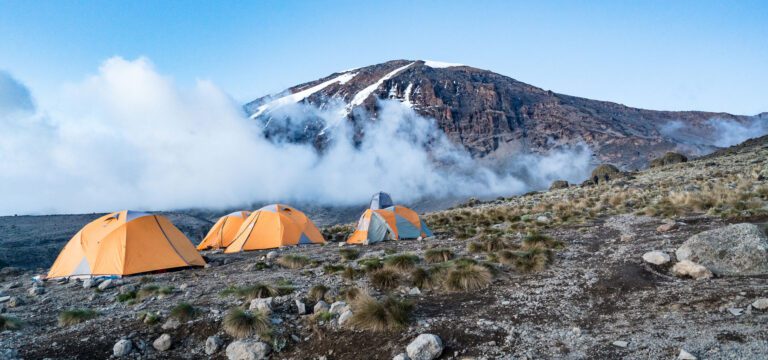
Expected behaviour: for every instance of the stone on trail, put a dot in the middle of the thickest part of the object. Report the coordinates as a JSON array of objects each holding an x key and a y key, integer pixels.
[
  {"x": 321, "y": 306},
  {"x": 684, "y": 355},
  {"x": 619, "y": 343},
  {"x": 122, "y": 348},
  {"x": 338, "y": 307},
  {"x": 760, "y": 304},
  {"x": 171, "y": 324},
  {"x": 264, "y": 305},
  {"x": 401, "y": 356},
  {"x": 738, "y": 249},
  {"x": 692, "y": 269},
  {"x": 106, "y": 284},
  {"x": 248, "y": 349},
  {"x": 162, "y": 343},
  {"x": 272, "y": 255},
  {"x": 656, "y": 257},
  {"x": 425, "y": 347},
  {"x": 213, "y": 344}
]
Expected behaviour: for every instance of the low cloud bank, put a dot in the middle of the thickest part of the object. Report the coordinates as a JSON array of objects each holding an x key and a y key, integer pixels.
[
  {"x": 715, "y": 133},
  {"x": 128, "y": 137}
]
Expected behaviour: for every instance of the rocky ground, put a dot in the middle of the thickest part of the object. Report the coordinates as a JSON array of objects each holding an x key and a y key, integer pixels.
[{"x": 595, "y": 296}]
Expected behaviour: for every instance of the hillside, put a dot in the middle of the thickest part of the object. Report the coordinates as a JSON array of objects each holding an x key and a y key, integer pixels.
[{"x": 491, "y": 115}]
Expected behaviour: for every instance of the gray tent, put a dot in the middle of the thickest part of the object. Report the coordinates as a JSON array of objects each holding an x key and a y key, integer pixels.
[{"x": 381, "y": 200}]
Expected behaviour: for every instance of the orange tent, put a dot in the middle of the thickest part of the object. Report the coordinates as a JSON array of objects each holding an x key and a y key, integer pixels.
[
  {"x": 393, "y": 223},
  {"x": 274, "y": 226},
  {"x": 125, "y": 243},
  {"x": 223, "y": 232}
]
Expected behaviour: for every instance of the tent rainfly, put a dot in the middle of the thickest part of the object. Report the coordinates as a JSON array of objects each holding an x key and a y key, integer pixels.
[
  {"x": 393, "y": 223},
  {"x": 274, "y": 226},
  {"x": 380, "y": 200},
  {"x": 223, "y": 232}
]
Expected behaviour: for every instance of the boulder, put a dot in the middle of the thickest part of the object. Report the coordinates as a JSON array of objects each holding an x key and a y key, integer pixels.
[
  {"x": 559, "y": 184},
  {"x": 122, "y": 348},
  {"x": 668, "y": 159},
  {"x": 272, "y": 255},
  {"x": 739, "y": 249},
  {"x": 171, "y": 324},
  {"x": 345, "y": 316},
  {"x": 604, "y": 173},
  {"x": 666, "y": 227},
  {"x": 247, "y": 349},
  {"x": 656, "y": 257},
  {"x": 213, "y": 344},
  {"x": 301, "y": 308},
  {"x": 264, "y": 305},
  {"x": 106, "y": 284},
  {"x": 689, "y": 268},
  {"x": 401, "y": 356},
  {"x": 760, "y": 304},
  {"x": 321, "y": 306},
  {"x": 338, "y": 307},
  {"x": 425, "y": 347},
  {"x": 162, "y": 343}
]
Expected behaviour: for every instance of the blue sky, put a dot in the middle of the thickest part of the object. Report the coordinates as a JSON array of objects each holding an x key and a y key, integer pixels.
[{"x": 672, "y": 55}]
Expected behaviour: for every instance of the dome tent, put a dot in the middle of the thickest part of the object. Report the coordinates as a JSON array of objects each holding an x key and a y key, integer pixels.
[
  {"x": 125, "y": 243},
  {"x": 274, "y": 226},
  {"x": 393, "y": 223},
  {"x": 223, "y": 232},
  {"x": 380, "y": 200}
]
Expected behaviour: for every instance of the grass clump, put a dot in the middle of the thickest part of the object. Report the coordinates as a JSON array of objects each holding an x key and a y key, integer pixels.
[
  {"x": 256, "y": 291},
  {"x": 9, "y": 323},
  {"x": 127, "y": 297},
  {"x": 351, "y": 294},
  {"x": 75, "y": 316},
  {"x": 292, "y": 261},
  {"x": 350, "y": 273},
  {"x": 183, "y": 312},
  {"x": 333, "y": 268},
  {"x": 149, "y": 318},
  {"x": 534, "y": 239},
  {"x": 154, "y": 290},
  {"x": 384, "y": 279},
  {"x": 323, "y": 316},
  {"x": 401, "y": 262},
  {"x": 317, "y": 292},
  {"x": 348, "y": 254},
  {"x": 386, "y": 315},
  {"x": 370, "y": 264},
  {"x": 240, "y": 324},
  {"x": 533, "y": 259},
  {"x": 432, "y": 256},
  {"x": 468, "y": 278}
]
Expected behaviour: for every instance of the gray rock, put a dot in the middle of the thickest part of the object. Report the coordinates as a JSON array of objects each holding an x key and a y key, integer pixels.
[
  {"x": 248, "y": 349},
  {"x": 338, "y": 307},
  {"x": 4, "y": 299},
  {"x": 739, "y": 249},
  {"x": 684, "y": 355},
  {"x": 760, "y": 304},
  {"x": 689, "y": 268},
  {"x": 401, "y": 356},
  {"x": 122, "y": 348},
  {"x": 736, "y": 311},
  {"x": 36, "y": 290},
  {"x": 171, "y": 324},
  {"x": 162, "y": 343},
  {"x": 125, "y": 289},
  {"x": 272, "y": 255},
  {"x": 414, "y": 291},
  {"x": 301, "y": 308},
  {"x": 106, "y": 284},
  {"x": 619, "y": 343},
  {"x": 345, "y": 316},
  {"x": 425, "y": 347},
  {"x": 321, "y": 306},
  {"x": 88, "y": 283},
  {"x": 656, "y": 257},
  {"x": 213, "y": 344},
  {"x": 666, "y": 227},
  {"x": 264, "y": 305}
]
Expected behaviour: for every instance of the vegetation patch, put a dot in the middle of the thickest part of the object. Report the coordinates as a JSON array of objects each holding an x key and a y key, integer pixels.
[
  {"x": 292, "y": 261},
  {"x": 348, "y": 254},
  {"x": 317, "y": 292},
  {"x": 432, "y": 256},
  {"x": 75, "y": 316},
  {"x": 242, "y": 324},
  {"x": 183, "y": 312},
  {"x": 401, "y": 262},
  {"x": 389, "y": 314},
  {"x": 9, "y": 323},
  {"x": 468, "y": 278},
  {"x": 384, "y": 279}
]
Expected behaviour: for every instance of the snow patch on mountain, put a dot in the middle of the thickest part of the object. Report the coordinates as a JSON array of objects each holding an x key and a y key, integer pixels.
[
  {"x": 440, "y": 64},
  {"x": 365, "y": 93},
  {"x": 301, "y": 95}
]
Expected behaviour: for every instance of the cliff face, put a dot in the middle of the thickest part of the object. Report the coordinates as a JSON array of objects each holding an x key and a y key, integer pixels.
[{"x": 493, "y": 115}]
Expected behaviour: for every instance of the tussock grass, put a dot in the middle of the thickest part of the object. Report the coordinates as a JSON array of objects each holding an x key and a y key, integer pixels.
[
  {"x": 427, "y": 278},
  {"x": 387, "y": 315},
  {"x": 149, "y": 318},
  {"x": 384, "y": 279},
  {"x": 370, "y": 264},
  {"x": 242, "y": 324},
  {"x": 183, "y": 312},
  {"x": 349, "y": 254},
  {"x": 468, "y": 278},
  {"x": 432, "y": 256},
  {"x": 293, "y": 261},
  {"x": 351, "y": 294},
  {"x": 256, "y": 291},
  {"x": 401, "y": 262},
  {"x": 75, "y": 316},
  {"x": 532, "y": 259},
  {"x": 127, "y": 297},
  {"x": 153, "y": 290},
  {"x": 324, "y": 316},
  {"x": 317, "y": 292},
  {"x": 535, "y": 239},
  {"x": 9, "y": 323},
  {"x": 350, "y": 273},
  {"x": 333, "y": 268}
]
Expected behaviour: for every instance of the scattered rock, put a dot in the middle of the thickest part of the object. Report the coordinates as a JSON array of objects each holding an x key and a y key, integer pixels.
[
  {"x": 321, "y": 306},
  {"x": 414, "y": 291},
  {"x": 106, "y": 284},
  {"x": 213, "y": 344},
  {"x": 692, "y": 269},
  {"x": 345, "y": 316},
  {"x": 401, "y": 356},
  {"x": 15, "y": 301},
  {"x": 739, "y": 249},
  {"x": 559, "y": 184},
  {"x": 666, "y": 227},
  {"x": 272, "y": 255},
  {"x": 88, "y": 283},
  {"x": 425, "y": 347},
  {"x": 684, "y": 355},
  {"x": 338, "y": 307},
  {"x": 4, "y": 299},
  {"x": 541, "y": 219},
  {"x": 122, "y": 348},
  {"x": 247, "y": 349},
  {"x": 736, "y": 311},
  {"x": 656, "y": 257},
  {"x": 668, "y": 159},
  {"x": 162, "y": 343},
  {"x": 171, "y": 324},
  {"x": 760, "y": 304},
  {"x": 619, "y": 343},
  {"x": 36, "y": 290},
  {"x": 264, "y": 305},
  {"x": 301, "y": 308}
]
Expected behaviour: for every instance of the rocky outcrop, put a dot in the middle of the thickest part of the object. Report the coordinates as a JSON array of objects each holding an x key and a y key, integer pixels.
[
  {"x": 739, "y": 249},
  {"x": 669, "y": 159},
  {"x": 559, "y": 184},
  {"x": 604, "y": 173}
]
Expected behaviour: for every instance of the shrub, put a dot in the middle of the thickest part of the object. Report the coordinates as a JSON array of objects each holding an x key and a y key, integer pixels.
[
  {"x": 153, "y": 290},
  {"x": 260, "y": 265},
  {"x": 241, "y": 324},
  {"x": 401, "y": 262},
  {"x": 258, "y": 291},
  {"x": 461, "y": 262},
  {"x": 424, "y": 278},
  {"x": 438, "y": 255},
  {"x": 317, "y": 292},
  {"x": 475, "y": 247},
  {"x": 9, "y": 323},
  {"x": 467, "y": 278},
  {"x": 75, "y": 316},
  {"x": 183, "y": 312},
  {"x": 384, "y": 279},
  {"x": 389, "y": 314},
  {"x": 349, "y": 254},
  {"x": 150, "y": 318},
  {"x": 330, "y": 269},
  {"x": 293, "y": 261}
]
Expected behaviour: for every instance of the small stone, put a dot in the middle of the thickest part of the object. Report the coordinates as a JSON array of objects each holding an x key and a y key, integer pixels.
[
  {"x": 162, "y": 343},
  {"x": 736, "y": 311},
  {"x": 692, "y": 269},
  {"x": 247, "y": 349},
  {"x": 36, "y": 290},
  {"x": 345, "y": 316},
  {"x": 213, "y": 344},
  {"x": 656, "y": 257},
  {"x": 425, "y": 347},
  {"x": 338, "y": 307},
  {"x": 760, "y": 304},
  {"x": 321, "y": 306},
  {"x": 684, "y": 355},
  {"x": 301, "y": 308},
  {"x": 4, "y": 299},
  {"x": 626, "y": 237},
  {"x": 341, "y": 244},
  {"x": 126, "y": 289},
  {"x": 666, "y": 227},
  {"x": 106, "y": 284},
  {"x": 171, "y": 324},
  {"x": 264, "y": 305},
  {"x": 401, "y": 356},
  {"x": 272, "y": 255},
  {"x": 88, "y": 283},
  {"x": 15, "y": 302},
  {"x": 414, "y": 291},
  {"x": 619, "y": 343},
  {"x": 122, "y": 348}
]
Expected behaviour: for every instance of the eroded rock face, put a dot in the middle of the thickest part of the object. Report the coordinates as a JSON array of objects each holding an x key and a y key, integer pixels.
[{"x": 739, "y": 249}]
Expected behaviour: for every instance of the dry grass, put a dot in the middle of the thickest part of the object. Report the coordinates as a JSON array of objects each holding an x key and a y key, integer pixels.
[
  {"x": 350, "y": 273},
  {"x": 370, "y": 264},
  {"x": 153, "y": 290},
  {"x": 401, "y": 262},
  {"x": 351, "y": 294},
  {"x": 75, "y": 316},
  {"x": 468, "y": 278},
  {"x": 532, "y": 259},
  {"x": 256, "y": 291},
  {"x": 9, "y": 323},
  {"x": 384, "y": 279},
  {"x": 317, "y": 292},
  {"x": 389, "y": 314},
  {"x": 183, "y": 312},
  {"x": 348, "y": 254},
  {"x": 333, "y": 268},
  {"x": 432, "y": 256},
  {"x": 242, "y": 324},
  {"x": 292, "y": 261}
]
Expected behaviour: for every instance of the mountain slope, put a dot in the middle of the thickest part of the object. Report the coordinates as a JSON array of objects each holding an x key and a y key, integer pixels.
[{"x": 493, "y": 115}]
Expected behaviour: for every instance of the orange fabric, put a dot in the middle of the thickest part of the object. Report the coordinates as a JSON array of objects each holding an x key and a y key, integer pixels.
[
  {"x": 113, "y": 245},
  {"x": 223, "y": 232},
  {"x": 360, "y": 235},
  {"x": 408, "y": 214},
  {"x": 273, "y": 228},
  {"x": 389, "y": 217}
]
